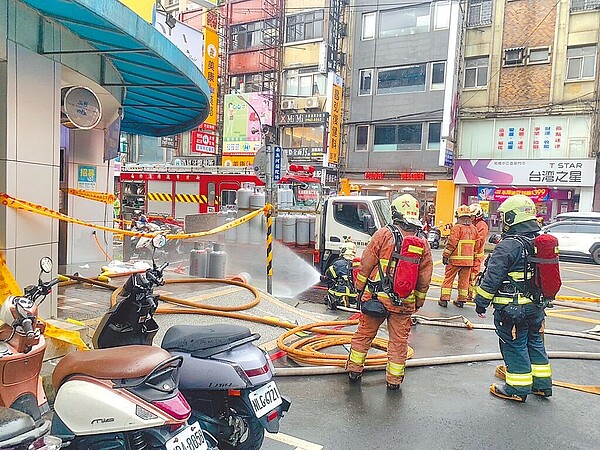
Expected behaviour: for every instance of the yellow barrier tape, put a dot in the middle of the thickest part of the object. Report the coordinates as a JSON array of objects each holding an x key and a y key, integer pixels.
[
  {"x": 68, "y": 336},
  {"x": 8, "y": 284},
  {"x": 11, "y": 202},
  {"x": 103, "y": 197}
]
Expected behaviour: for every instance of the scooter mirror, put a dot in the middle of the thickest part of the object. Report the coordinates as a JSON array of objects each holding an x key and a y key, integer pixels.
[
  {"x": 159, "y": 241},
  {"x": 46, "y": 264}
]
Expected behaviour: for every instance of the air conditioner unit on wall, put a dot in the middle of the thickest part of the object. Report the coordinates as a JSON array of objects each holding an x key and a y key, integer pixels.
[
  {"x": 288, "y": 104},
  {"x": 312, "y": 103}
]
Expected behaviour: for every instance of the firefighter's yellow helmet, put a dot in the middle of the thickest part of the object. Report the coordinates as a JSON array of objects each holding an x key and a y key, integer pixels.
[
  {"x": 463, "y": 211},
  {"x": 405, "y": 208},
  {"x": 348, "y": 251},
  {"x": 517, "y": 209},
  {"x": 476, "y": 210}
]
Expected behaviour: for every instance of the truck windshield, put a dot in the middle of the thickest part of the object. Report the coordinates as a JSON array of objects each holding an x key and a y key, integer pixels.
[
  {"x": 306, "y": 195},
  {"x": 382, "y": 208}
]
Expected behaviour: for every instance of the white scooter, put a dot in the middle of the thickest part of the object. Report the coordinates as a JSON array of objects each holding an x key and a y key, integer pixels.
[{"x": 115, "y": 399}]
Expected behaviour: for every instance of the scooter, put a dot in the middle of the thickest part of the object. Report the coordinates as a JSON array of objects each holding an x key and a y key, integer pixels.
[
  {"x": 18, "y": 431},
  {"x": 433, "y": 237},
  {"x": 117, "y": 399},
  {"x": 225, "y": 377}
]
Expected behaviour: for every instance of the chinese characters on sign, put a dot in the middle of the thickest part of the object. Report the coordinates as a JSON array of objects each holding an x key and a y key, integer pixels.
[
  {"x": 405, "y": 176},
  {"x": 277, "y": 156},
  {"x": 302, "y": 118},
  {"x": 511, "y": 138},
  {"x": 211, "y": 64},
  {"x": 86, "y": 178},
  {"x": 203, "y": 142},
  {"x": 304, "y": 153},
  {"x": 335, "y": 124}
]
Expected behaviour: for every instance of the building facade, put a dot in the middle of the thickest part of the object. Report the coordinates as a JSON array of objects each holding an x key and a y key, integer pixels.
[
  {"x": 528, "y": 123},
  {"x": 402, "y": 91}
]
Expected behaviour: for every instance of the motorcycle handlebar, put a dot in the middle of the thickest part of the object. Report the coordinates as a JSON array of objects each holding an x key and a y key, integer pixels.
[{"x": 27, "y": 326}]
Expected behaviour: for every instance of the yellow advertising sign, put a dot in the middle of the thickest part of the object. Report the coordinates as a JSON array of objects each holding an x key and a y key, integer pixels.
[
  {"x": 335, "y": 124},
  {"x": 211, "y": 70},
  {"x": 238, "y": 161},
  {"x": 143, "y": 8}
]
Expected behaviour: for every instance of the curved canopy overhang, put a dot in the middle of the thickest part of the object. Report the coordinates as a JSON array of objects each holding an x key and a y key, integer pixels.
[{"x": 165, "y": 92}]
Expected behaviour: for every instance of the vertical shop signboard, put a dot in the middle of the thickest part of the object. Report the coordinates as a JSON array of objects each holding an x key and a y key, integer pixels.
[
  {"x": 211, "y": 66},
  {"x": 335, "y": 122}
]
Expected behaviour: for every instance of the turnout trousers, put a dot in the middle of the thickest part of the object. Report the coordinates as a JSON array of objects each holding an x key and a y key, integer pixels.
[
  {"x": 522, "y": 348},
  {"x": 464, "y": 277},
  {"x": 474, "y": 272},
  {"x": 399, "y": 325}
]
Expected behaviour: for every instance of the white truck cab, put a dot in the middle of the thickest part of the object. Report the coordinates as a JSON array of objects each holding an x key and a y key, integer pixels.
[{"x": 357, "y": 217}]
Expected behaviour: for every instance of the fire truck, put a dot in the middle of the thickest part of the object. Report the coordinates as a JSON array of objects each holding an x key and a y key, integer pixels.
[{"x": 177, "y": 191}]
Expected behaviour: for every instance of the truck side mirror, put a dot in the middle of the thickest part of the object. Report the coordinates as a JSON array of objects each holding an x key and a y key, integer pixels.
[{"x": 368, "y": 224}]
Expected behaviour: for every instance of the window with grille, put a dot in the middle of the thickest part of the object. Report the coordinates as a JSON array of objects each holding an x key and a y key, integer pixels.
[
  {"x": 476, "y": 72},
  {"x": 581, "y": 62},
  {"x": 479, "y": 13},
  {"x": 584, "y": 5},
  {"x": 305, "y": 26}
]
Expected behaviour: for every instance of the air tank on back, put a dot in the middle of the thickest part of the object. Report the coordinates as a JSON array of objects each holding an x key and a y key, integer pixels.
[{"x": 289, "y": 229}]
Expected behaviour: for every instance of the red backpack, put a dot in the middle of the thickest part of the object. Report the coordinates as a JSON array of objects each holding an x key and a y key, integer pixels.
[
  {"x": 547, "y": 270},
  {"x": 402, "y": 273}
]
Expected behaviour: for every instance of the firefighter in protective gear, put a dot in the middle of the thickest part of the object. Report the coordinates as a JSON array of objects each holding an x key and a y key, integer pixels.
[
  {"x": 518, "y": 307},
  {"x": 482, "y": 233},
  {"x": 338, "y": 276},
  {"x": 458, "y": 256},
  {"x": 405, "y": 218}
]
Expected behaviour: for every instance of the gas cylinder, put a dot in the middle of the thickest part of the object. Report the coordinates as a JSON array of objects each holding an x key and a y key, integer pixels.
[
  {"x": 285, "y": 196},
  {"x": 243, "y": 195},
  {"x": 302, "y": 230},
  {"x": 217, "y": 264},
  {"x": 312, "y": 228},
  {"x": 289, "y": 229},
  {"x": 257, "y": 198},
  {"x": 256, "y": 230},
  {"x": 278, "y": 228},
  {"x": 231, "y": 234},
  {"x": 198, "y": 261}
]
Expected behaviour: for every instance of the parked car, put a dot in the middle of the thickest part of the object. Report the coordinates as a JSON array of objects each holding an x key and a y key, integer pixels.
[
  {"x": 588, "y": 215},
  {"x": 577, "y": 238}
]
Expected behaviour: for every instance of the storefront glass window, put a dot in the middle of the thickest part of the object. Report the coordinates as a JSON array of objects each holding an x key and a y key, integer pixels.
[{"x": 302, "y": 136}]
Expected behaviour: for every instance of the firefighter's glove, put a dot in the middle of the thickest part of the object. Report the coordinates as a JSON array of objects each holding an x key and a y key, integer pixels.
[
  {"x": 323, "y": 278},
  {"x": 445, "y": 260},
  {"x": 480, "y": 310}
]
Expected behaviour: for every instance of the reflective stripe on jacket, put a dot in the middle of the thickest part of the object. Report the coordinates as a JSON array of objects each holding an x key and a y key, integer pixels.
[
  {"x": 482, "y": 233},
  {"x": 460, "y": 248},
  {"x": 379, "y": 250}
]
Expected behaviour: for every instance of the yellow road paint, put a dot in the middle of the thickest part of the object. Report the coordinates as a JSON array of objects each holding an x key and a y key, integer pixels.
[
  {"x": 579, "y": 271},
  {"x": 570, "y": 317},
  {"x": 590, "y": 294}
]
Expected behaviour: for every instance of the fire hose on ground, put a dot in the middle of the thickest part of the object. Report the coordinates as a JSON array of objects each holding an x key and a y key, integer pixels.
[{"x": 308, "y": 352}]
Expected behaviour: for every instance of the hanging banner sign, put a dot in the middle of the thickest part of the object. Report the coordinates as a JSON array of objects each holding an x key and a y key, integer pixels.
[{"x": 103, "y": 197}]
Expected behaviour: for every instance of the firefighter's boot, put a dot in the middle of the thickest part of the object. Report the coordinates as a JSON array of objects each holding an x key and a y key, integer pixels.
[
  {"x": 394, "y": 386},
  {"x": 542, "y": 392},
  {"x": 458, "y": 303},
  {"x": 354, "y": 377},
  {"x": 443, "y": 303},
  {"x": 500, "y": 392}
]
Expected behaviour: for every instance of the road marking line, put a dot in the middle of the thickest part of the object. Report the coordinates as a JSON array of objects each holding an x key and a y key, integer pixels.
[
  {"x": 570, "y": 317},
  {"x": 300, "y": 444},
  {"x": 591, "y": 294},
  {"x": 594, "y": 280},
  {"x": 579, "y": 271}
]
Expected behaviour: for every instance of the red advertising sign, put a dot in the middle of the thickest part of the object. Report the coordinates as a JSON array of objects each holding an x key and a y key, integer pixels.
[
  {"x": 202, "y": 142},
  {"x": 405, "y": 176},
  {"x": 535, "y": 194}
]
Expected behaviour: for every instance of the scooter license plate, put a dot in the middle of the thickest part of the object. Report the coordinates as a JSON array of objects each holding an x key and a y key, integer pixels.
[
  {"x": 265, "y": 399},
  {"x": 191, "y": 438}
]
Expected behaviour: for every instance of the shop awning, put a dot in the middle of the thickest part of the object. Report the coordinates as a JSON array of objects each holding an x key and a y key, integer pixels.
[{"x": 165, "y": 92}]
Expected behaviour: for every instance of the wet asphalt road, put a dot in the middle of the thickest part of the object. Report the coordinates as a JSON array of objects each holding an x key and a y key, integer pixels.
[{"x": 441, "y": 407}]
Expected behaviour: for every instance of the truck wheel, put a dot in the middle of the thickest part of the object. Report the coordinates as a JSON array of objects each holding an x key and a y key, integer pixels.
[{"x": 596, "y": 255}]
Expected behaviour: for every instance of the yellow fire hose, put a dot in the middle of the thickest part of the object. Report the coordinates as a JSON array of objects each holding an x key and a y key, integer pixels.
[{"x": 308, "y": 351}]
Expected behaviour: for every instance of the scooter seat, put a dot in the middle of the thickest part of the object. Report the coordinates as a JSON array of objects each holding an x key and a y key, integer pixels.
[
  {"x": 130, "y": 361},
  {"x": 192, "y": 338},
  {"x": 14, "y": 424}
]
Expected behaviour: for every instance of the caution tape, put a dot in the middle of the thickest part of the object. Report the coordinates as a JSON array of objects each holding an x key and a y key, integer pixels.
[
  {"x": 8, "y": 284},
  {"x": 67, "y": 336},
  {"x": 23, "y": 205},
  {"x": 103, "y": 197}
]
